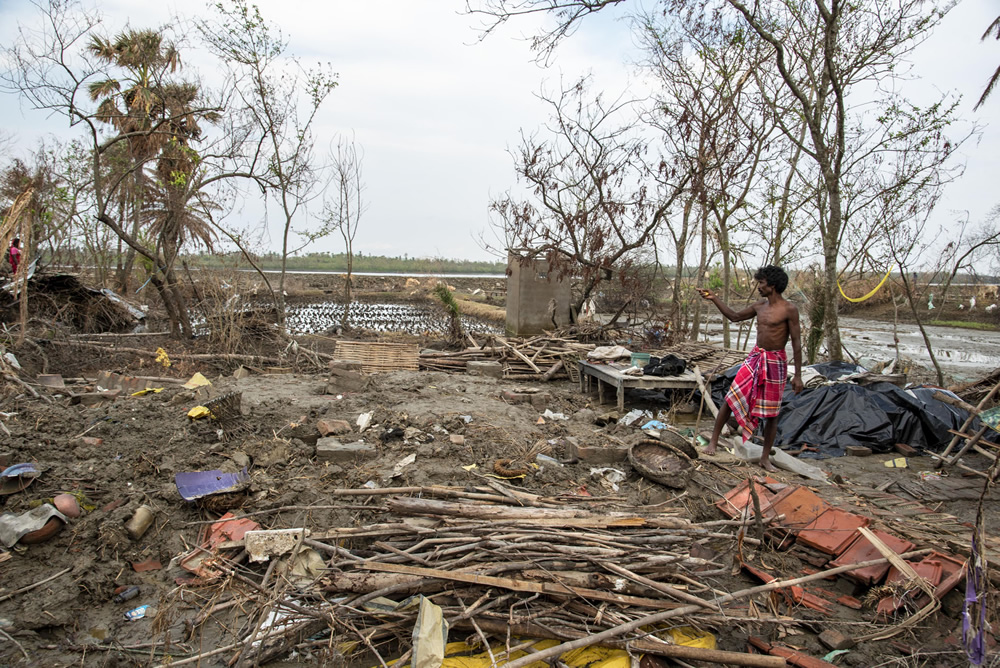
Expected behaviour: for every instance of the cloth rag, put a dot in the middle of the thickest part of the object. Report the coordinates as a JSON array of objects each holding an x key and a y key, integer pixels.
[{"x": 756, "y": 391}]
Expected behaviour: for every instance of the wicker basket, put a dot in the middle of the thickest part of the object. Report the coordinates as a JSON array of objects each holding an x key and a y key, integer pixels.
[
  {"x": 661, "y": 463},
  {"x": 678, "y": 441}
]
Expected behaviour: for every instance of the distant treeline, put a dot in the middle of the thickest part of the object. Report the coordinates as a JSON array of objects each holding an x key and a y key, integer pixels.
[{"x": 362, "y": 263}]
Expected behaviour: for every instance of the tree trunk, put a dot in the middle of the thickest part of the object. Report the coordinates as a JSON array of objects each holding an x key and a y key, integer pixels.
[{"x": 831, "y": 324}]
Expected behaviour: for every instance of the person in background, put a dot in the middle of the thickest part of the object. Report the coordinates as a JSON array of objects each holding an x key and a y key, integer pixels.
[{"x": 14, "y": 255}]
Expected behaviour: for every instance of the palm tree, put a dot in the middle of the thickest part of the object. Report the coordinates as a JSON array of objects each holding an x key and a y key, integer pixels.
[
  {"x": 134, "y": 105},
  {"x": 994, "y": 30}
]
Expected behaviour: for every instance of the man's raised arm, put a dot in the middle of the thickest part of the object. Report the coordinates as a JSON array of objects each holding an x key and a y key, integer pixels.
[{"x": 733, "y": 316}]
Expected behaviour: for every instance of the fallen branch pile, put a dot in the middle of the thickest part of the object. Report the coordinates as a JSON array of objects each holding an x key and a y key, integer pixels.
[{"x": 576, "y": 575}]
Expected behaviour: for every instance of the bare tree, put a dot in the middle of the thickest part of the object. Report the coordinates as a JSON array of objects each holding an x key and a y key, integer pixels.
[
  {"x": 268, "y": 84},
  {"x": 343, "y": 210},
  {"x": 597, "y": 206},
  {"x": 824, "y": 50}
]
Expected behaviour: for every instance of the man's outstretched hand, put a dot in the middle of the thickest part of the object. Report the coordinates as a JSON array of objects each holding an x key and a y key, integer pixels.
[{"x": 706, "y": 293}]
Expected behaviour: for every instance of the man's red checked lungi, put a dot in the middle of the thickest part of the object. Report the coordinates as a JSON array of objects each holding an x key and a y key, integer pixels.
[{"x": 756, "y": 391}]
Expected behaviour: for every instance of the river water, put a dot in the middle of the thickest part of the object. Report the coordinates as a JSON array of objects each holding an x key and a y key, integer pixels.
[{"x": 963, "y": 354}]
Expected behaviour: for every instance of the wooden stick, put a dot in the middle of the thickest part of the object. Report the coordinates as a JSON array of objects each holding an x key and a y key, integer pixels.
[
  {"x": 706, "y": 396},
  {"x": 599, "y": 638},
  {"x": 966, "y": 425},
  {"x": 32, "y": 586},
  {"x": 548, "y": 588},
  {"x": 954, "y": 401}
]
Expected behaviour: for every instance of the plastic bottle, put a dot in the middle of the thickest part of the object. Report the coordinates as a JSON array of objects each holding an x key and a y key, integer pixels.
[{"x": 126, "y": 593}]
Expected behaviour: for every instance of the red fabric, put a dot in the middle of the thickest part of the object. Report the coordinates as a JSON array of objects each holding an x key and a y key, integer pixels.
[{"x": 756, "y": 391}]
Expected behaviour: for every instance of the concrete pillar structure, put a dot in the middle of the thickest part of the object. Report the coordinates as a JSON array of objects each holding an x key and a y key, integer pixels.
[{"x": 531, "y": 288}]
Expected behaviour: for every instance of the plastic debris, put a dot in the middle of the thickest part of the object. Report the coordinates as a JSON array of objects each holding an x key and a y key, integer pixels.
[
  {"x": 364, "y": 420},
  {"x": 196, "y": 484},
  {"x": 199, "y": 412},
  {"x": 554, "y": 416},
  {"x": 14, "y": 527},
  {"x": 403, "y": 463},
  {"x": 634, "y": 415},
  {"x": 17, "y": 477},
  {"x": 137, "y": 613},
  {"x": 608, "y": 476},
  {"x": 896, "y": 463},
  {"x": 654, "y": 424},
  {"x": 196, "y": 381}
]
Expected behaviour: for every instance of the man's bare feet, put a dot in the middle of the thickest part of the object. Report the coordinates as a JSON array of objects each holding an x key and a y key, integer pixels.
[
  {"x": 766, "y": 464},
  {"x": 709, "y": 450}
]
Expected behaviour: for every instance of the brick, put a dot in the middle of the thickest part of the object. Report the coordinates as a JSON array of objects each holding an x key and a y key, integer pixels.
[
  {"x": 512, "y": 397},
  {"x": 833, "y": 639},
  {"x": 484, "y": 368},
  {"x": 832, "y": 531},
  {"x": 857, "y": 451},
  {"x": 597, "y": 454},
  {"x": 457, "y": 439},
  {"x": 335, "y": 427},
  {"x": 906, "y": 450},
  {"x": 850, "y": 602},
  {"x": 331, "y": 450}
]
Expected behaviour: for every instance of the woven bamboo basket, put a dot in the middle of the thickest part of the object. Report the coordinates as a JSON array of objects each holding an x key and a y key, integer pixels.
[{"x": 661, "y": 463}]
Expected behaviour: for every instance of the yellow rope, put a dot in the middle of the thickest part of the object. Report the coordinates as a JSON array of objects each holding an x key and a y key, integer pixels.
[{"x": 870, "y": 294}]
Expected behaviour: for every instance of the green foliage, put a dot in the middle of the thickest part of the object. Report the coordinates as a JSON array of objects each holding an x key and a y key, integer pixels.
[
  {"x": 366, "y": 263},
  {"x": 965, "y": 324}
]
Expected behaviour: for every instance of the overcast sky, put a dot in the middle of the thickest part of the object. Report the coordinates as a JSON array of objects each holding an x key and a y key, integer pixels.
[{"x": 435, "y": 109}]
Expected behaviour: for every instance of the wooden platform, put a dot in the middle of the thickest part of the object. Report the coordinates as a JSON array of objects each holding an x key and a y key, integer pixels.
[
  {"x": 611, "y": 375},
  {"x": 711, "y": 360},
  {"x": 376, "y": 356}
]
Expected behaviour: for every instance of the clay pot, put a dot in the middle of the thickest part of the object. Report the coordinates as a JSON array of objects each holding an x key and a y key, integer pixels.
[
  {"x": 51, "y": 528},
  {"x": 67, "y": 505}
]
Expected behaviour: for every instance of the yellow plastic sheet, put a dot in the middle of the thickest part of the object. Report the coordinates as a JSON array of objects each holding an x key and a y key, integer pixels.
[
  {"x": 199, "y": 412},
  {"x": 148, "y": 390},
  {"x": 460, "y": 655},
  {"x": 870, "y": 294},
  {"x": 692, "y": 637},
  {"x": 196, "y": 381}
]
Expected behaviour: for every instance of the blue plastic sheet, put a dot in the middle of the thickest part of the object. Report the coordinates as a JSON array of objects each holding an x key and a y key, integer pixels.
[{"x": 196, "y": 484}]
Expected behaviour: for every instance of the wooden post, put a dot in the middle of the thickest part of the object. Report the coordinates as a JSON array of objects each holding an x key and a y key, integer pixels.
[{"x": 972, "y": 416}]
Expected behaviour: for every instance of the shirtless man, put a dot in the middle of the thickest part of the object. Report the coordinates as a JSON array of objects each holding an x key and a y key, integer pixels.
[{"x": 756, "y": 391}]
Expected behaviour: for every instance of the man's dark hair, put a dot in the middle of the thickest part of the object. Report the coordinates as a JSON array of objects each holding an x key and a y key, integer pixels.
[
  {"x": 774, "y": 276},
  {"x": 15, "y": 241}
]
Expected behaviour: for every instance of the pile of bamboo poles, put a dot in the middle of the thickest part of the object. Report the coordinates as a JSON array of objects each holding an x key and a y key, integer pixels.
[{"x": 536, "y": 358}]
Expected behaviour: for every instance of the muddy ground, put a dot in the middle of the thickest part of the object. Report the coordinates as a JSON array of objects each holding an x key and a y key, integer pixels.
[{"x": 120, "y": 454}]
